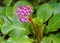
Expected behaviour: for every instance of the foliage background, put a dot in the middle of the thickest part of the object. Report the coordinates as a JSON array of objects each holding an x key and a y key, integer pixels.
[{"x": 45, "y": 12}]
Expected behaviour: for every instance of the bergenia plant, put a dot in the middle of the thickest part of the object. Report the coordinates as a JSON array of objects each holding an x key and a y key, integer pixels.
[{"x": 30, "y": 21}]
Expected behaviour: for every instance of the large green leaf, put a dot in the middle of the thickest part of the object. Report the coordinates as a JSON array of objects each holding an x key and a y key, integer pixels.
[
  {"x": 7, "y": 26},
  {"x": 19, "y": 28},
  {"x": 54, "y": 23},
  {"x": 55, "y": 38},
  {"x": 21, "y": 39},
  {"x": 57, "y": 9},
  {"x": 16, "y": 33},
  {"x": 46, "y": 40},
  {"x": 28, "y": 27},
  {"x": 44, "y": 12},
  {"x": 1, "y": 16},
  {"x": 8, "y": 11},
  {"x": 2, "y": 40},
  {"x": 51, "y": 39},
  {"x": 14, "y": 23},
  {"x": 19, "y": 3}
]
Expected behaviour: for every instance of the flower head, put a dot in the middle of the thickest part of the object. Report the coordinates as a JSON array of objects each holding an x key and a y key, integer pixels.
[{"x": 23, "y": 13}]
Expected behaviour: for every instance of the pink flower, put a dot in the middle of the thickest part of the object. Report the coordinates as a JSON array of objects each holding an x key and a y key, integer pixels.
[
  {"x": 22, "y": 19},
  {"x": 24, "y": 12}
]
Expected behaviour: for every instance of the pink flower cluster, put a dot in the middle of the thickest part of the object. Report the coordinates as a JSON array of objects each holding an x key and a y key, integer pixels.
[{"x": 24, "y": 12}]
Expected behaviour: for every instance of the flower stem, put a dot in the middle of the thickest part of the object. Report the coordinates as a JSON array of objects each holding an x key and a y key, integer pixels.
[
  {"x": 39, "y": 33},
  {"x": 34, "y": 29}
]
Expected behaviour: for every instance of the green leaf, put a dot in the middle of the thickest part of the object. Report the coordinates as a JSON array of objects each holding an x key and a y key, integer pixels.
[
  {"x": 11, "y": 22},
  {"x": 51, "y": 39},
  {"x": 2, "y": 12},
  {"x": 19, "y": 28},
  {"x": 1, "y": 22},
  {"x": 54, "y": 23},
  {"x": 58, "y": 35},
  {"x": 7, "y": 2},
  {"x": 55, "y": 39},
  {"x": 2, "y": 40},
  {"x": 21, "y": 39},
  {"x": 16, "y": 33},
  {"x": 1, "y": 16},
  {"x": 44, "y": 12},
  {"x": 8, "y": 11},
  {"x": 53, "y": 3},
  {"x": 1, "y": 9},
  {"x": 46, "y": 40},
  {"x": 7, "y": 26},
  {"x": 19, "y": 3},
  {"x": 28, "y": 27},
  {"x": 57, "y": 9}
]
